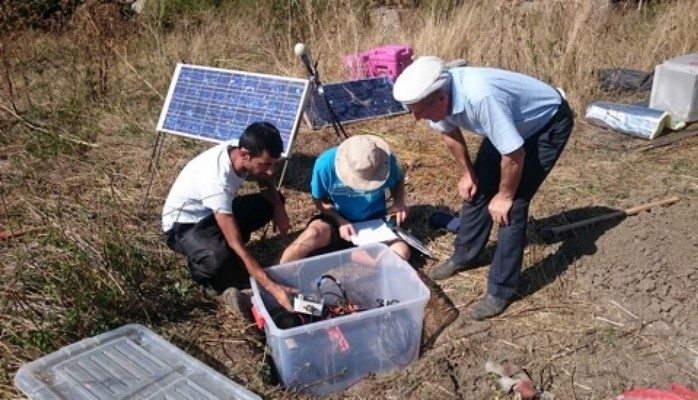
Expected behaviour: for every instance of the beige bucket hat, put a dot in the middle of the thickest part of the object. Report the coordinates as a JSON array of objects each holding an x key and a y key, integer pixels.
[{"x": 362, "y": 162}]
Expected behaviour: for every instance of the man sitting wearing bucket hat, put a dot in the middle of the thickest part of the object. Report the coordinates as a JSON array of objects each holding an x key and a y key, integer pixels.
[
  {"x": 348, "y": 185},
  {"x": 525, "y": 124}
]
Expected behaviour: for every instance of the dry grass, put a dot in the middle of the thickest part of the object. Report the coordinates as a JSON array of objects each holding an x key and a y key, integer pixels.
[{"x": 77, "y": 121}]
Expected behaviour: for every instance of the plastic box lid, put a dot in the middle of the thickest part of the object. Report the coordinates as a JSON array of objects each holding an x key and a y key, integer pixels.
[
  {"x": 130, "y": 362},
  {"x": 687, "y": 63}
]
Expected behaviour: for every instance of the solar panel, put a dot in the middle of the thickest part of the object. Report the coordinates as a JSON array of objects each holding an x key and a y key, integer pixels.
[
  {"x": 352, "y": 101},
  {"x": 216, "y": 104}
]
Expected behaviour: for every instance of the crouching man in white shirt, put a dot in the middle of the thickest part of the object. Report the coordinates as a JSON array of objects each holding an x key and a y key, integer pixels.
[{"x": 204, "y": 219}]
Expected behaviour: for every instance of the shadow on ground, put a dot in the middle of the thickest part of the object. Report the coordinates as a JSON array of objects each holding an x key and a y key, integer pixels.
[
  {"x": 299, "y": 170},
  {"x": 575, "y": 243},
  {"x": 418, "y": 225}
]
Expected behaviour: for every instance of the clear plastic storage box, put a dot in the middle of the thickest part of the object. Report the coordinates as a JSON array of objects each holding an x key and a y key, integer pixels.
[
  {"x": 675, "y": 88},
  {"x": 330, "y": 354},
  {"x": 130, "y": 362}
]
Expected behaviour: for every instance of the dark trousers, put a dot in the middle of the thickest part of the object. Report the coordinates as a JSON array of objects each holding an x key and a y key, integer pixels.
[
  {"x": 336, "y": 243},
  {"x": 212, "y": 263},
  {"x": 542, "y": 151}
]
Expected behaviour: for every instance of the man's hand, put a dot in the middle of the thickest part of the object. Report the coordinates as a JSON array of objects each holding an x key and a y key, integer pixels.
[
  {"x": 346, "y": 230},
  {"x": 467, "y": 187},
  {"x": 280, "y": 220},
  {"x": 281, "y": 293},
  {"x": 512, "y": 168},
  {"x": 400, "y": 210},
  {"x": 499, "y": 208}
]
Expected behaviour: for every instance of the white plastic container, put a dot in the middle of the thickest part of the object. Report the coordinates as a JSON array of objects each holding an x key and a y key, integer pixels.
[
  {"x": 130, "y": 362},
  {"x": 675, "y": 88},
  {"x": 329, "y": 355}
]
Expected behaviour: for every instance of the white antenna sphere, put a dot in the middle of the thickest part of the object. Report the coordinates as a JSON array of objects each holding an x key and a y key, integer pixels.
[{"x": 300, "y": 49}]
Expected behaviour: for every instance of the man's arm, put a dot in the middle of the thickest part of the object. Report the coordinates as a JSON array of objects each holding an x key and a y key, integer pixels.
[
  {"x": 399, "y": 206},
  {"x": 269, "y": 192},
  {"x": 512, "y": 167},
  {"x": 231, "y": 232},
  {"x": 326, "y": 207},
  {"x": 495, "y": 115},
  {"x": 511, "y": 170},
  {"x": 346, "y": 229},
  {"x": 467, "y": 186}
]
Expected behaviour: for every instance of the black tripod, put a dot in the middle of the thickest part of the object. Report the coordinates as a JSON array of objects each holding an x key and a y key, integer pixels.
[
  {"x": 336, "y": 123},
  {"x": 314, "y": 77}
]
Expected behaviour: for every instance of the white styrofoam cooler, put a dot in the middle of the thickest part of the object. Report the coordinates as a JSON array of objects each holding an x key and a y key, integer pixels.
[
  {"x": 329, "y": 355},
  {"x": 675, "y": 88}
]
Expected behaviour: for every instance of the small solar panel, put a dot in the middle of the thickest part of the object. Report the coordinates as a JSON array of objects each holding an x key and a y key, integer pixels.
[
  {"x": 352, "y": 101},
  {"x": 216, "y": 104}
]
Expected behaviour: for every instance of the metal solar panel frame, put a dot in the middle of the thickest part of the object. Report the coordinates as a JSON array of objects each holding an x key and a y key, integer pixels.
[
  {"x": 291, "y": 111},
  {"x": 337, "y": 93}
]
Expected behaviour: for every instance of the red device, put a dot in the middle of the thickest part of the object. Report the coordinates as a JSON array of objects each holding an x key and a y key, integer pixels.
[{"x": 675, "y": 392}]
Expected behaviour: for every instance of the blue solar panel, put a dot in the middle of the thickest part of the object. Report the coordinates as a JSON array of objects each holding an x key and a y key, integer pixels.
[
  {"x": 217, "y": 104},
  {"x": 353, "y": 101}
]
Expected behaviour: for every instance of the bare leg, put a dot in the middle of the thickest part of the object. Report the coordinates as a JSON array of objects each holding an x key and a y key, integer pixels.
[
  {"x": 401, "y": 248},
  {"x": 317, "y": 235}
]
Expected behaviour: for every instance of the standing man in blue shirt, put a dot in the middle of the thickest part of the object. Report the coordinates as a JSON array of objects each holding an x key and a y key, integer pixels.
[{"x": 525, "y": 124}]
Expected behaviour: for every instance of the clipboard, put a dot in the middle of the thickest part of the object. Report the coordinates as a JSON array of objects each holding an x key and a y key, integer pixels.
[
  {"x": 411, "y": 240},
  {"x": 381, "y": 230}
]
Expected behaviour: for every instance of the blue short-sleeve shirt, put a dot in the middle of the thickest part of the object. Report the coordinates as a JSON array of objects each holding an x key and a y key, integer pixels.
[
  {"x": 351, "y": 204},
  {"x": 504, "y": 106}
]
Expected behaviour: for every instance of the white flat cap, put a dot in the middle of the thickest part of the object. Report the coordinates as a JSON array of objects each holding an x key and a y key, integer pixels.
[{"x": 424, "y": 76}]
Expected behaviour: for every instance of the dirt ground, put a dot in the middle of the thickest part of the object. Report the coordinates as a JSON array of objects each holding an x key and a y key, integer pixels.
[
  {"x": 628, "y": 314},
  {"x": 603, "y": 309}
]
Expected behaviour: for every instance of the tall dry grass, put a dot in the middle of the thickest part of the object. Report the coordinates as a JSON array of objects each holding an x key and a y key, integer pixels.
[{"x": 78, "y": 109}]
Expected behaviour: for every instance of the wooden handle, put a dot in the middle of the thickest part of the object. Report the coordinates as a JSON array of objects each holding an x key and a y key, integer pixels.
[
  {"x": 616, "y": 214},
  {"x": 639, "y": 209}
]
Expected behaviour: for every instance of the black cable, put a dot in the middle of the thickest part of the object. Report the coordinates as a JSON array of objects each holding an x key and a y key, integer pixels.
[
  {"x": 343, "y": 301},
  {"x": 399, "y": 337},
  {"x": 319, "y": 280}
]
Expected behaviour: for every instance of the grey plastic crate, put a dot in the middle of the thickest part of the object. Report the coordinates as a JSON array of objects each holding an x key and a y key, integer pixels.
[{"x": 130, "y": 362}]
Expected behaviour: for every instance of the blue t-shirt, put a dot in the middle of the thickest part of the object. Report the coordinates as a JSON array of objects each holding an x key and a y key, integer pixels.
[
  {"x": 504, "y": 106},
  {"x": 351, "y": 204}
]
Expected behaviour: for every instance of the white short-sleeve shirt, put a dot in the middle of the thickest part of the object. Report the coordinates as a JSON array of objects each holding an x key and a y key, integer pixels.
[{"x": 207, "y": 184}]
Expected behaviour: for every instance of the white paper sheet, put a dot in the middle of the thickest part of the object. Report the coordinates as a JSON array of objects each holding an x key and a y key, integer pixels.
[{"x": 372, "y": 231}]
